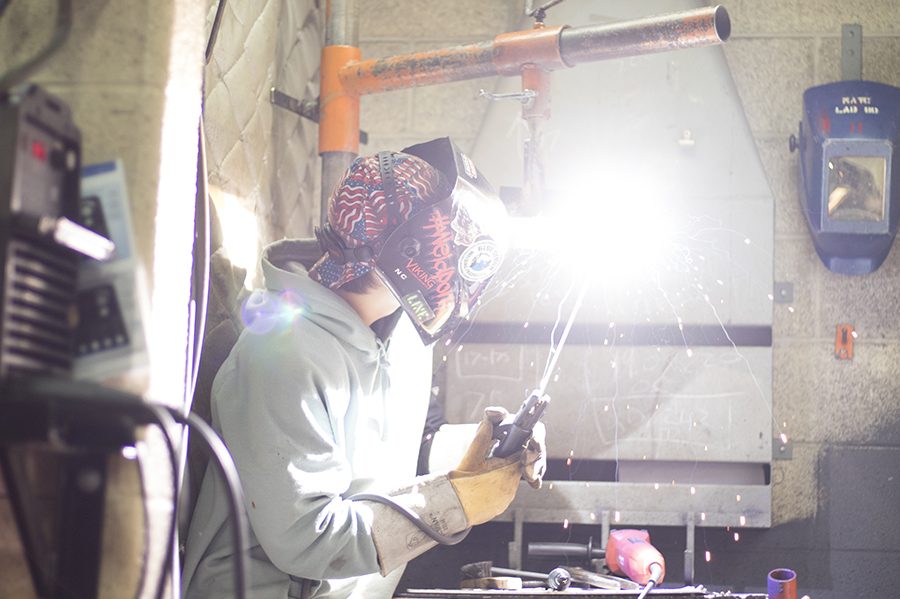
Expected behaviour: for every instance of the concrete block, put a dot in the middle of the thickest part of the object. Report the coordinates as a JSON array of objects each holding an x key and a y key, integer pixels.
[
  {"x": 388, "y": 112},
  {"x": 824, "y": 400},
  {"x": 827, "y": 16},
  {"x": 391, "y": 141},
  {"x": 469, "y": 19},
  {"x": 881, "y": 60},
  {"x": 770, "y": 75},
  {"x": 863, "y": 573},
  {"x": 821, "y": 573},
  {"x": 782, "y": 173},
  {"x": 761, "y": 17},
  {"x": 795, "y": 484},
  {"x": 796, "y": 262},
  {"x": 452, "y": 108},
  {"x": 860, "y": 486},
  {"x": 758, "y": 17},
  {"x": 127, "y": 39},
  {"x": 870, "y": 302}
]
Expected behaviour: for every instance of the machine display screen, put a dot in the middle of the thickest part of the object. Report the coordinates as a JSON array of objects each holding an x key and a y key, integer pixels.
[{"x": 856, "y": 188}]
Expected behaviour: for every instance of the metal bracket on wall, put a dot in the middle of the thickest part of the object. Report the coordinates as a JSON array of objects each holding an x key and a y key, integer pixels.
[
  {"x": 782, "y": 448},
  {"x": 689, "y": 548},
  {"x": 515, "y": 546},
  {"x": 308, "y": 109},
  {"x": 851, "y": 52},
  {"x": 783, "y": 292}
]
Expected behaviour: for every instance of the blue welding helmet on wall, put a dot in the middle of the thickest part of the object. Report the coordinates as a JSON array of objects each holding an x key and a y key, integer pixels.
[{"x": 849, "y": 179}]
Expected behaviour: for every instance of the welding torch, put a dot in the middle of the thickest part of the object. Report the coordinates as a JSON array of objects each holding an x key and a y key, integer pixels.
[{"x": 514, "y": 431}]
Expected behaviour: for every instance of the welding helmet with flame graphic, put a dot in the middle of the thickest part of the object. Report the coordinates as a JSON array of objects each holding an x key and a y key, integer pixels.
[{"x": 439, "y": 260}]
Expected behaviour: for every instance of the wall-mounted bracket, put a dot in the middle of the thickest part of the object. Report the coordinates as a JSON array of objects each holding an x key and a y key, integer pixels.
[
  {"x": 783, "y": 292},
  {"x": 782, "y": 448},
  {"x": 308, "y": 109},
  {"x": 851, "y": 52},
  {"x": 689, "y": 521}
]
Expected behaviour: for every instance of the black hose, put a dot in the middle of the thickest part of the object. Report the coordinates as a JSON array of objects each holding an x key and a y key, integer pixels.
[
  {"x": 414, "y": 518},
  {"x": 235, "y": 495},
  {"x": 18, "y": 74},
  {"x": 214, "y": 32},
  {"x": 167, "y": 424}
]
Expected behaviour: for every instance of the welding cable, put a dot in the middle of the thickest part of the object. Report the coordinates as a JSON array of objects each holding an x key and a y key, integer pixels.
[
  {"x": 414, "y": 518},
  {"x": 166, "y": 424},
  {"x": 214, "y": 32},
  {"x": 655, "y": 573},
  {"x": 145, "y": 553},
  {"x": 18, "y": 74},
  {"x": 200, "y": 274},
  {"x": 234, "y": 494}
]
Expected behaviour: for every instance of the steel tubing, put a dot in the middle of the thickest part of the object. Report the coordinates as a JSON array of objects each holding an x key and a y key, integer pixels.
[
  {"x": 547, "y": 48},
  {"x": 691, "y": 29}
]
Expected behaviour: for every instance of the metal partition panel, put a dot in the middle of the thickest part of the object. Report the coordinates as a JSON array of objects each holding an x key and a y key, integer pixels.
[{"x": 668, "y": 370}]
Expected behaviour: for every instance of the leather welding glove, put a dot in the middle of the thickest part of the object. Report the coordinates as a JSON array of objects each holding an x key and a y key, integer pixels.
[
  {"x": 486, "y": 486},
  {"x": 477, "y": 490},
  {"x": 451, "y": 441},
  {"x": 535, "y": 457}
]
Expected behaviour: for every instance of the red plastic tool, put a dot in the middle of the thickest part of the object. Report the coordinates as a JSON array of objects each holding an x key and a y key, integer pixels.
[{"x": 629, "y": 552}]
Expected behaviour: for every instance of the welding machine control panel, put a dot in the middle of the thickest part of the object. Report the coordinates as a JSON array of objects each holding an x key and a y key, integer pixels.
[{"x": 111, "y": 298}]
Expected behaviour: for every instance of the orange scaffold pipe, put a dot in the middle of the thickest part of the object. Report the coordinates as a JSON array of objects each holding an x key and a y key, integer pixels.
[{"x": 545, "y": 48}]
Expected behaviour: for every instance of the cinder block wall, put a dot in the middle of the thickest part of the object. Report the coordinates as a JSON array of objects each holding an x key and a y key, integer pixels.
[{"x": 835, "y": 500}]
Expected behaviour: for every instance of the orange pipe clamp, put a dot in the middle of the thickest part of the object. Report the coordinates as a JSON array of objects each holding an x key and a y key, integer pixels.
[{"x": 338, "y": 107}]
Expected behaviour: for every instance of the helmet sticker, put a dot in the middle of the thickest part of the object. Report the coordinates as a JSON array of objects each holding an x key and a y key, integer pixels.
[
  {"x": 479, "y": 261},
  {"x": 464, "y": 226},
  {"x": 468, "y": 166},
  {"x": 420, "y": 308}
]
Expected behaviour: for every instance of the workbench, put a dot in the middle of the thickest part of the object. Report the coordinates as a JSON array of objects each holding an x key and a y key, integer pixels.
[{"x": 693, "y": 592}]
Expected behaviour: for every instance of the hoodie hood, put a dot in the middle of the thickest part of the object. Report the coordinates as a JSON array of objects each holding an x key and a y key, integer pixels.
[{"x": 290, "y": 290}]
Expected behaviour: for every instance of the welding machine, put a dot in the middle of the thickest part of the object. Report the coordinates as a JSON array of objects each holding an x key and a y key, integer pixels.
[
  {"x": 39, "y": 180},
  {"x": 851, "y": 188},
  {"x": 53, "y": 449}
]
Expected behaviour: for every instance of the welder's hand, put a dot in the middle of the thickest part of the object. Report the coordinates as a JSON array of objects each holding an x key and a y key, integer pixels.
[
  {"x": 535, "y": 457},
  {"x": 486, "y": 486}
]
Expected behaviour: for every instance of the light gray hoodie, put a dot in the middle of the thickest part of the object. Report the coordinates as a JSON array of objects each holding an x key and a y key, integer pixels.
[{"x": 305, "y": 406}]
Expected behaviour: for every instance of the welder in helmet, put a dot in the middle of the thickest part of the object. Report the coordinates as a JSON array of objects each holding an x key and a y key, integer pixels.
[{"x": 305, "y": 405}]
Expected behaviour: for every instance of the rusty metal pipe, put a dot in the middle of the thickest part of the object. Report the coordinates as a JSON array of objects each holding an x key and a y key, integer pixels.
[
  {"x": 338, "y": 109},
  {"x": 549, "y": 48},
  {"x": 690, "y": 29},
  {"x": 425, "y": 68}
]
